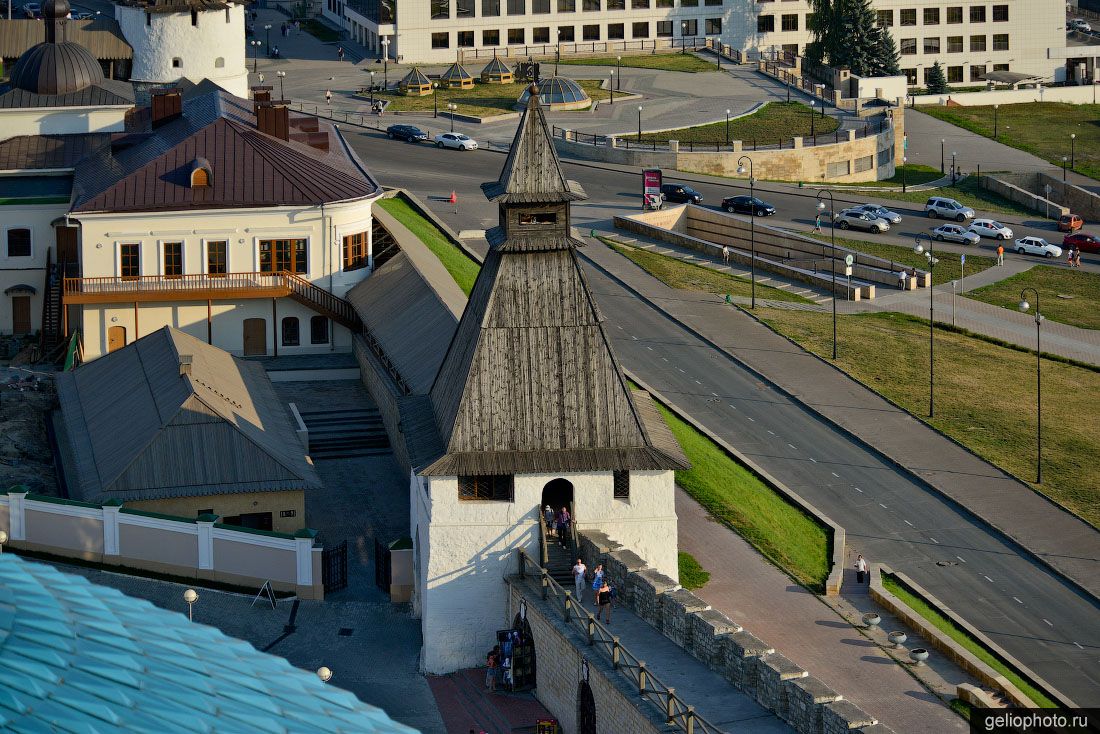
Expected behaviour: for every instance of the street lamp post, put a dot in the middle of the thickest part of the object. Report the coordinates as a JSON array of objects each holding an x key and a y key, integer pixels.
[
  {"x": 190, "y": 596},
  {"x": 557, "y": 53},
  {"x": 920, "y": 249},
  {"x": 904, "y": 160},
  {"x": 435, "y": 99},
  {"x": 639, "y": 123},
  {"x": 255, "y": 53},
  {"x": 1024, "y": 306},
  {"x": 1064, "y": 159},
  {"x": 995, "y": 108},
  {"x": 832, "y": 255},
  {"x": 813, "y": 135},
  {"x": 1072, "y": 145},
  {"x": 282, "y": 75},
  {"x": 752, "y": 222},
  {"x": 953, "y": 154},
  {"x": 372, "y": 89},
  {"x": 943, "y": 142},
  {"x": 619, "y": 67},
  {"x": 611, "y": 86},
  {"x": 267, "y": 27},
  {"x": 451, "y": 106},
  {"x": 386, "y": 62},
  {"x": 683, "y": 36},
  {"x": 727, "y": 127},
  {"x": 324, "y": 674}
]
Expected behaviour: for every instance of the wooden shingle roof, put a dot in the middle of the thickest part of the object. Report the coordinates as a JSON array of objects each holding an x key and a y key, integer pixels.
[
  {"x": 455, "y": 72},
  {"x": 102, "y": 36}
]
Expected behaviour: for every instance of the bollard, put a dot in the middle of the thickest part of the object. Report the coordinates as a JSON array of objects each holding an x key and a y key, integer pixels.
[
  {"x": 641, "y": 678},
  {"x": 591, "y": 630},
  {"x": 615, "y": 652},
  {"x": 669, "y": 705},
  {"x": 568, "y": 604}
]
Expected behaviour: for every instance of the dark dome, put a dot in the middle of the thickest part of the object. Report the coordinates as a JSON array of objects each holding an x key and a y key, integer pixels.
[
  {"x": 56, "y": 68},
  {"x": 557, "y": 90}
]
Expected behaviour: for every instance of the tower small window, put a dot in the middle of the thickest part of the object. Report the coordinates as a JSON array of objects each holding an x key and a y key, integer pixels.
[
  {"x": 318, "y": 330},
  {"x": 622, "y": 485},
  {"x": 199, "y": 177},
  {"x": 535, "y": 218},
  {"x": 497, "y": 488},
  {"x": 19, "y": 242},
  {"x": 290, "y": 332},
  {"x": 177, "y": 63},
  {"x": 219, "y": 63},
  {"x": 148, "y": 18},
  {"x": 194, "y": 17}
]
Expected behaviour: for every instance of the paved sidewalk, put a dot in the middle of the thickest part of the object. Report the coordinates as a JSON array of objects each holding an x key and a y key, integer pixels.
[
  {"x": 466, "y": 705},
  {"x": 1054, "y": 535},
  {"x": 760, "y": 597}
]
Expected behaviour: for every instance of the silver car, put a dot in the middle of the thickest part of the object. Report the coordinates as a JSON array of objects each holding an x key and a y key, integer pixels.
[
  {"x": 856, "y": 219},
  {"x": 877, "y": 210},
  {"x": 990, "y": 228},
  {"x": 945, "y": 208},
  {"x": 956, "y": 233}
]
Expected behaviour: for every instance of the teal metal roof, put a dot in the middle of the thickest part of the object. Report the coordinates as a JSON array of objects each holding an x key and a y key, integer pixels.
[{"x": 82, "y": 658}]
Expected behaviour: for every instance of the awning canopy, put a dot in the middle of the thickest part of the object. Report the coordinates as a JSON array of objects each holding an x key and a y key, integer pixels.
[{"x": 1010, "y": 77}]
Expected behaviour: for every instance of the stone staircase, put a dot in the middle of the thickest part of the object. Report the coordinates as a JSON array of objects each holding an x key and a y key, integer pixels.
[{"x": 345, "y": 434}]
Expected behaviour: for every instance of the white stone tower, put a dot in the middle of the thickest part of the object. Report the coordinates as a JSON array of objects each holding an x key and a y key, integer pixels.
[{"x": 186, "y": 39}]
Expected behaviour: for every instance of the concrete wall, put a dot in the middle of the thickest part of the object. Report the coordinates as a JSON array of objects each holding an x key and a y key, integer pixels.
[
  {"x": 1085, "y": 94},
  {"x": 1078, "y": 200},
  {"x": 230, "y": 505},
  {"x": 158, "y": 544},
  {"x": 1014, "y": 193},
  {"x": 62, "y": 120},
  {"x": 26, "y": 270},
  {"x": 52, "y": 525},
  {"x": 256, "y": 559}
]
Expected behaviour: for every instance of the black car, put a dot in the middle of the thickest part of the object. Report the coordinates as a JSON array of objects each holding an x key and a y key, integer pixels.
[
  {"x": 680, "y": 194},
  {"x": 409, "y": 133},
  {"x": 747, "y": 205}
]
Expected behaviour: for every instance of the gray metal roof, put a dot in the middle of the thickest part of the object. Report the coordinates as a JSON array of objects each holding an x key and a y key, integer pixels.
[
  {"x": 557, "y": 90},
  {"x": 134, "y": 428},
  {"x": 496, "y": 67},
  {"x": 416, "y": 77},
  {"x": 455, "y": 72},
  {"x": 104, "y": 93},
  {"x": 30, "y": 152}
]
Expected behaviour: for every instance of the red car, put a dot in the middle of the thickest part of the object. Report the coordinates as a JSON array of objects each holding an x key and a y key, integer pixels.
[
  {"x": 1086, "y": 242},
  {"x": 1070, "y": 223}
]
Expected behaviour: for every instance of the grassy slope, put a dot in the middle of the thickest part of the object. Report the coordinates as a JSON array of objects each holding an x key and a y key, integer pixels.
[
  {"x": 1041, "y": 128},
  {"x": 942, "y": 623},
  {"x": 777, "y": 120},
  {"x": 985, "y": 395},
  {"x": 1080, "y": 310},
  {"x": 667, "y": 62},
  {"x": 688, "y": 276},
  {"x": 483, "y": 100},
  {"x": 320, "y": 31},
  {"x": 966, "y": 192},
  {"x": 692, "y": 575},
  {"x": 462, "y": 268},
  {"x": 731, "y": 493},
  {"x": 912, "y": 175},
  {"x": 948, "y": 268}
]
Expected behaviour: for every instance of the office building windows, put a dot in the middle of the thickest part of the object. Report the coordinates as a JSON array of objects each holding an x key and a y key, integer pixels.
[
  {"x": 977, "y": 73},
  {"x": 885, "y": 18},
  {"x": 490, "y": 38},
  {"x": 910, "y": 75},
  {"x": 1000, "y": 13},
  {"x": 516, "y": 36},
  {"x": 616, "y": 4},
  {"x": 567, "y": 34},
  {"x": 640, "y": 29},
  {"x": 540, "y": 35},
  {"x": 616, "y": 31},
  {"x": 465, "y": 39},
  {"x": 908, "y": 46},
  {"x": 464, "y": 8},
  {"x": 441, "y": 9},
  {"x": 490, "y": 8},
  {"x": 932, "y": 45},
  {"x": 441, "y": 40},
  {"x": 954, "y": 74},
  {"x": 954, "y": 44},
  {"x": 765, "y": 23},
  {"x": 955, "y": 14},
  {"x": 517, "y": 7},
  {"x": 590, "y": 32},
  {"x": 789, "y": 22},
  {"x": 977, "y": 43},
  {"x": 567, "y": 6},
  {"x": 977, "y": 13},
  {"x": 540, "y": 7},
  {"x": 931, "y": 16},
  {"x": 664, "y": 28},
  {"x": 1000, "y": 41},
  {"x": 908, "y": 16},
  {"x": 689, "y": 27},
  {"x": 713, "y": 27}
]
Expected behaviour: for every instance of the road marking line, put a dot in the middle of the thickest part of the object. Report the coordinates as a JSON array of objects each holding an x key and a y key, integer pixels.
[
  {"x": 714, "y": 394},
  {"x": 882, "y": 506},
  {"x": 1017, "y": 600},
  {"x": 618, "y": 327},
  {"x": 859, "y": 490},
  {"x": 665, "y": 358},
  {"x": 771, "y": 432},
  {"x": 1078, "y": 645},
  {"x": 649, "y": 348},
  {"x": 679, "y": 369},
  {"x": 987, "y": 578},
  {"x": 1048, "y": 622},
  {"x": 634, "y": 337},
  {"x": 813, "y": 459},
  {"x": 961, "y": 558},
  {"x": 933, "y": 540},
  {"x": 835, "y": 474},
  {"x": 793, "y": 446},
  {"x": 910, "y": 524},
  {"x": 698, "y": 383},
  {"x": 751, "y": 419},
  {"x": 732, "y": 406}
]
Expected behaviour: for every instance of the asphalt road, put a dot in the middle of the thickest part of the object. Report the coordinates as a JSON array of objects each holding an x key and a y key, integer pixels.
[{"x": 1028, "y": 610}]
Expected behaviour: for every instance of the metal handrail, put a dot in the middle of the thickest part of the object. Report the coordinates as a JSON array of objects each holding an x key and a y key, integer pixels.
[
  {"x": 118, "y": 284},
  {"x": 674, "y": 708}
]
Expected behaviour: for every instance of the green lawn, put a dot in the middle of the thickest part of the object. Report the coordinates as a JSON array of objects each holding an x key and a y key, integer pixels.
[
  {"x": 26, "y": 201},
  {"x": 689, "y": 276},
  {"x": 910, "y": 174},
  {"x": 949, "y": 267},
  {"x": 692, "y": 575},
  {"x": 1041, "y": 128},
  {"x": 784, "y": 534},
  {"x": 776, "y": 121},
  {"x": 320, "y": 31},
  {"x": 985, "y": 394},
  {"x": 1069, "y": 296},
  {"x": 967, "y": 192},
  {"x": 463, "y": 269},
  {"x": 962, "y": 708},
  {"x": 961, "y": 636},
  {"x": 665, "y": 62},
  {"x": 482, "y": 100}
]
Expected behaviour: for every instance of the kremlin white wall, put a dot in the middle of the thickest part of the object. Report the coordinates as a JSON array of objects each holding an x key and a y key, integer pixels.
[{"x": 62, "y": 120}]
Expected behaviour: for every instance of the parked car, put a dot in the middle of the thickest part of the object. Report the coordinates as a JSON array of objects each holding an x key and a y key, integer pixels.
[
  {"x": 1079, "y": 24},
  {"x": 455, "y": 140},
  {"x": 990, "y": 228},
  {"x": 856, "y": 219},
  {"x": 1070, "y": 223},
  {"x": 680, "y": 194},
  {"x": 1083, "y": 241},
  {"x": 747, "y": 205},
  {"x": 956, "y": 233},
  {"x": 32, "y": 10},
  {"x": 409, "y": 133},
  {"x": 1037, "y": 246},
  {"x": 880, "y": 211},
  {"x": 941, "y": 206}
]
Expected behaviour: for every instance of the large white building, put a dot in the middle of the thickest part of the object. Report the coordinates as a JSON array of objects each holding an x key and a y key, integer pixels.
[{"x": 967, "y": 38}]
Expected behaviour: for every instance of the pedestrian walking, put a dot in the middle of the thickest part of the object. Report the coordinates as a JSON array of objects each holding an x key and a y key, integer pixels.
[
  {"x": 579, "y": 572},
  {"x": 603, "y": 601},
  {"x": 1000, "y": 254},
  {"x": 492, "y": 665},
  {"x": 902, "y": 278},
  {"x": 340, "y": 53},
  {"x": 861, "y": 568},
  {"x": 817, "y": 223},
  {"x": 1077, "y": 257},
  {"x": 328, "y": 96},
  {"x": 548, "y": 515},
  {"x": 563, "y": 526},
  {"x": 726, "y": 254},
  {"x": 597, "y": 583}
]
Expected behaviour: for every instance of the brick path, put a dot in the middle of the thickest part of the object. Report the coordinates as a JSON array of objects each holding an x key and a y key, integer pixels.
[{"x": 465, "y": 704}]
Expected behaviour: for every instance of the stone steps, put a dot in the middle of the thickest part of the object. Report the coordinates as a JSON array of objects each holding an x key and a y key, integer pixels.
[{"x": 345, "y": 433}]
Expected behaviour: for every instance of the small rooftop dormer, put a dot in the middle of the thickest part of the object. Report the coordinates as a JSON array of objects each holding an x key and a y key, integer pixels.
[{"x": 202, "y": 175}]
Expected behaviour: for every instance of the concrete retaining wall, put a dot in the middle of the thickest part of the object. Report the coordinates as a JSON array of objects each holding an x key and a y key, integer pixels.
[
  {"x": 1085, "y": 94},
  {"x": 1002, "y": 187},
  {"x": 1078, "y": 200}
]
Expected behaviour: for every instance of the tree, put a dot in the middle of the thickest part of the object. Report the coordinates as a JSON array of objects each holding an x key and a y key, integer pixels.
[
  {"x": 886, "y": 55},
  {"x": 846, "y": 34},
  {"x": 935, "y": 80}
]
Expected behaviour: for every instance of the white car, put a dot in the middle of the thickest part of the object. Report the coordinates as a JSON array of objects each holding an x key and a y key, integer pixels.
[
  {"x": 990, "y": 228},
  {"x": 1078, "y": 24},
  {"x": 455, "y": 140},
  {"x": 1037, "y": 246},
  {"x": 955, "y": 233},
  {"x": 877, "y": 210}
]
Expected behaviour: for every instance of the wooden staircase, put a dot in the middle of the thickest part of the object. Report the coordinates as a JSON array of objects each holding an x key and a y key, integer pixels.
[
  {"x": 320, "y": 300},
  {"x": 51, "y": 337}
]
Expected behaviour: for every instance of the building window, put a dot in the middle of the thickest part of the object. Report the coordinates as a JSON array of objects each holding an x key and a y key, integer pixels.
[
  {"x": 885, "y": 18},
  {"x": 465, "y": 39},
  {"x": 977, "y": 43},
  {"x": 129, "y": 261},
  {"x": 765, "y": 24},
  {"x": 517, "y": 7},
  {"x": 498, "y": 488},
  {"x": 616, "y": 31},
  {"x": 931, "y": 16},
  {"x": 666, "y": 3},
  {"x": 908, "y": 46},
  {"x": 464, "y": 8},
  {"x": 712, "y": 3},
  {"x": 954, "y": 44},
  {"x": 616, "y": 4},
  {"x": 516, "y": 36},
  {"x": 173, "y": 259},
  {"x": 954, "y": 74},
  {"x": 713, "y": 27},
  {"x": 441, "y": 40},
  {"x": 490, "y": 8},
  {"x": 290, "y": 331},
  {"x": 590, "y": 32},
  {"x": 490, "y": 38},
  {"x": 689, "y": 27},
  {"x": 977, "y": 13},
  {"x": 540, "y": 7},
  {"x": 910, "y": 74},
  {"x": 932, "y": 45},
  {"x": 955, "y": 14},
  {"x": 318, "y": 330},
  {"x": 355, "y": 248},
  {"x": 1000, "y": 67},
  {"x": 639, "y": 29},
  {"x": 837, "y": 169},
  {"x": 590, "y": 5},
  {"x": 664, "y": 28},
  {"x": 909, "y": 16},
  {"x": 194, "y": 17},
  {"x": 977, "y": 73},
  {"x": 1000, "y": 13},
  {"x": 622, "y": 485},
  {"x": 177, "y": 63},
  {"x": 1000, "y": 41},
  {"x": 567, "y": 6},
  {"x": 219, "y": 63},
  {"x": 689, "y": 3},
  {"x": 19, "y": 242},
  {"x": 279, "y": 255},
  {"x": 789, "y": 22},
  {"x": 567, "y": 34},
  {"x": 216, "y": 254},
  {"x": 540, "y": 35},
  {"x": 441, "y": 9}
]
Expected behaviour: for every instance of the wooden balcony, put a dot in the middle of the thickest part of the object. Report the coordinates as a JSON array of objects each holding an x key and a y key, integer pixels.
[{"x": 203, "y": 287}]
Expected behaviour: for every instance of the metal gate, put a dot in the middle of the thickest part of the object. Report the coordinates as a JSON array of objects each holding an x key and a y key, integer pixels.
[
  {"x": 334, "y": 567},
  {"x": 382, "y": 565}
]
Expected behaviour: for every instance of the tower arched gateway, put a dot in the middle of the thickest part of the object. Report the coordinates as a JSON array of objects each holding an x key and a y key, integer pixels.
[
  {"x": 557, "y": 493},
  {"x": 586, "y": 704}
]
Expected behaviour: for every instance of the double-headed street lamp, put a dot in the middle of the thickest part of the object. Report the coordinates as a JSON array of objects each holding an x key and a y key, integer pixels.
[
  {"x": 386, "y": 61},
  {"x": 832, "y": 255},
  {"x": 727, "y": 127},
  {"x": 282, "y": 75},
  {"x": 752, "y": 221},
  {"x": 932, "y": 260},
  {"x": 255, "y": 53},
  {"x": 611, "y": 86},
  {"x": 1072, "y": 145},
  {"x": 639, "y": 123},
  {"x": 267, "y": 28},
  {"x": 1024, "y": 307},
  {"x": 451, "y": 107}
]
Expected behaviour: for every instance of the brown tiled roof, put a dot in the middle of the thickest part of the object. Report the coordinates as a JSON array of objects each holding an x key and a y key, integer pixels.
[
  {"x": 250, "y": 169},
  {"x": 101, "y": 36},
  {"x": 48, "y": 151}
]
